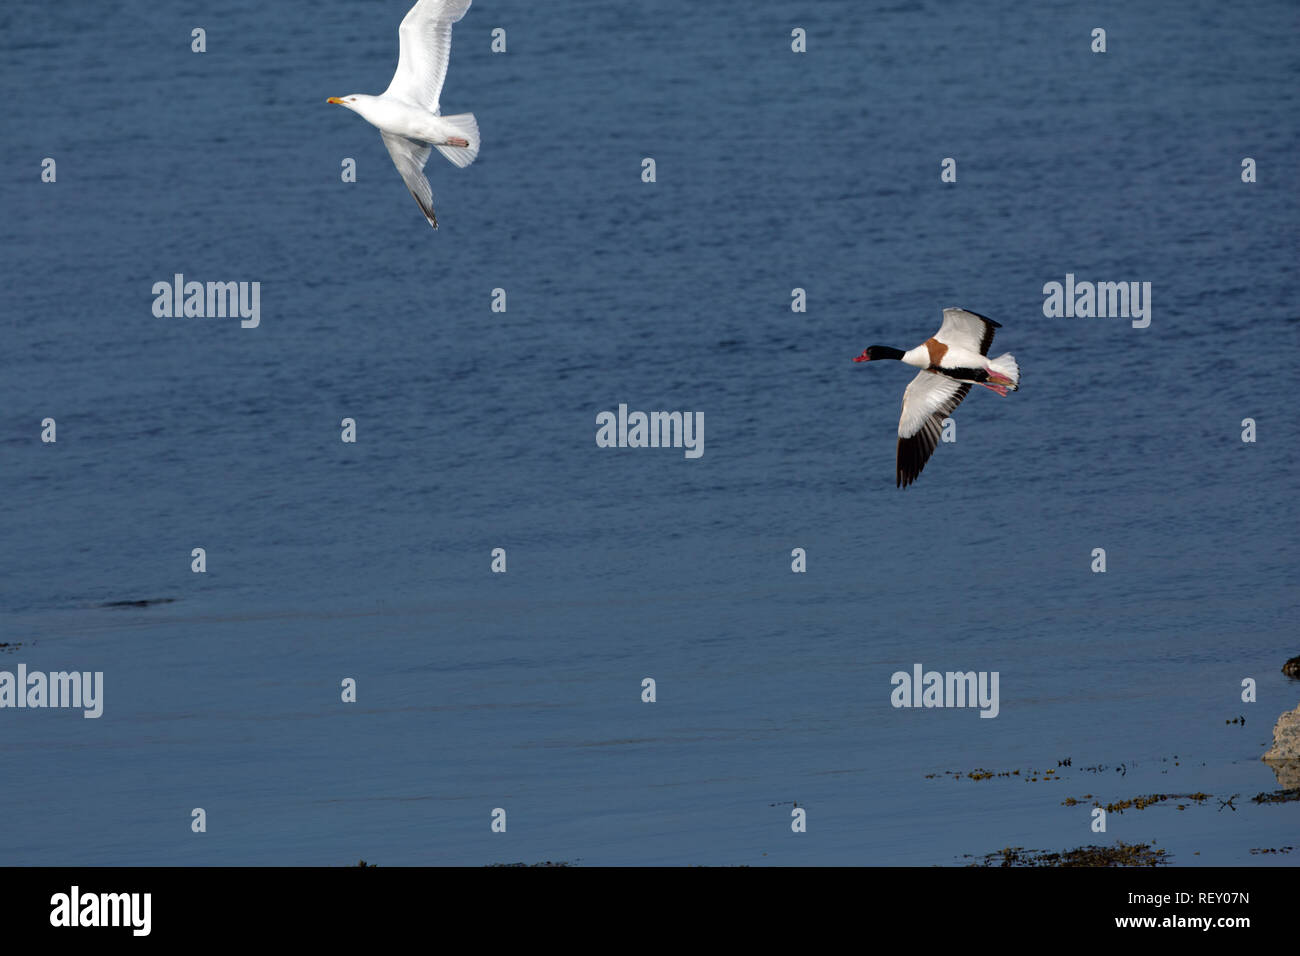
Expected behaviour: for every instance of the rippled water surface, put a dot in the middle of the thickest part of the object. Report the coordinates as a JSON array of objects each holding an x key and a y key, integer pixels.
[{"x": 476, "y": 431}]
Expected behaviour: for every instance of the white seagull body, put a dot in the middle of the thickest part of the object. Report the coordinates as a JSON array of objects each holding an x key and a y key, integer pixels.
[
  {"x": 407, "y": 113},
  {"x": 951, "y": 361}
]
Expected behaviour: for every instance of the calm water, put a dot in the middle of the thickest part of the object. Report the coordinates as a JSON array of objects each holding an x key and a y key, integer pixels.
[{"x": 476, "y": 431}]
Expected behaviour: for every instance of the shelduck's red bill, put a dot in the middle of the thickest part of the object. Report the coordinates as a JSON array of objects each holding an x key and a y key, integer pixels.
[{"x": 864, "y": 357}]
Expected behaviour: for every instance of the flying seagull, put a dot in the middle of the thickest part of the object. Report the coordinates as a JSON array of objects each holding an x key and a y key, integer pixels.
[
  {"x": 951, "y": 361},
  {"x": 406, "y": 113}
]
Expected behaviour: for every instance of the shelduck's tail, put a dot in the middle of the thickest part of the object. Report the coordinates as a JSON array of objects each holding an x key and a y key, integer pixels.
[{"x": 1006, "y": 370}]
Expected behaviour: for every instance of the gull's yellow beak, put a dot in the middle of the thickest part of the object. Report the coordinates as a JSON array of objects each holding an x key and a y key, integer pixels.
[{"x": 335, "y": 100}]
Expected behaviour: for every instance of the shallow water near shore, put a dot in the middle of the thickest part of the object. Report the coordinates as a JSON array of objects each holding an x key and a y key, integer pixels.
[{"x": 476, "y": 430}]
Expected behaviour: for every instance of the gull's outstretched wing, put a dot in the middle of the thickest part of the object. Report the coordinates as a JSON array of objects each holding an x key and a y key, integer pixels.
[
  {"x": 409, "y": 157},
  {"x": 929, "y": 399},
  {"x": 425, "y": 41}
]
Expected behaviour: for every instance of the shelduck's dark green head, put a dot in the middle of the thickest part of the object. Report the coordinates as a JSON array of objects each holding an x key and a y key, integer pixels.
[{"x": 879, "y": 352}]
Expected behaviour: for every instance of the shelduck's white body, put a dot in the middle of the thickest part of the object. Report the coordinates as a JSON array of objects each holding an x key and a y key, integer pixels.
[{"x": 921, "y": 357}]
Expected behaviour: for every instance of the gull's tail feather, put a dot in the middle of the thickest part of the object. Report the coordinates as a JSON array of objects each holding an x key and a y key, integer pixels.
[{"x": 467, "y": 128}]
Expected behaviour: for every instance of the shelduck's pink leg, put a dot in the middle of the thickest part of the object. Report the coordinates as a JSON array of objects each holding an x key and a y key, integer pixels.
[{"x": 1000, "y": 389}]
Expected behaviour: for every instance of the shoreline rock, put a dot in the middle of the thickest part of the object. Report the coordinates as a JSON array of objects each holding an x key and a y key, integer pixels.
[{"x": 1284, "y": 756}]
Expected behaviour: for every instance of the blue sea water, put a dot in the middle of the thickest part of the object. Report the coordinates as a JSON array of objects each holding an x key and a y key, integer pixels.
[{"x": 476, "y": 430}]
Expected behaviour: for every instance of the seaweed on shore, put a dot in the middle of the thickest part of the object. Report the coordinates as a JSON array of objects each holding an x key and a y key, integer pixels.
[
  {"x": 1277, "y": 796},
  {"x": 546, "y": 863},
  {"x": 979, "y": 773},
  {"x": 1140, "y": 803},
  {"x": 1121, "y": 854}
]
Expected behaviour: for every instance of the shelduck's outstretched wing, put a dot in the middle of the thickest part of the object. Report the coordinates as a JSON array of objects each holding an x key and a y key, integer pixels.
[
  {"x": 929, "y": 399},
  {"x": 424, "y": 40},
  {"x": 966, "y": 330}
]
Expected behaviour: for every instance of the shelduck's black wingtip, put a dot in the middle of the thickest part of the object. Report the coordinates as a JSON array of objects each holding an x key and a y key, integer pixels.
[{"x": 996, "y": 325}]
